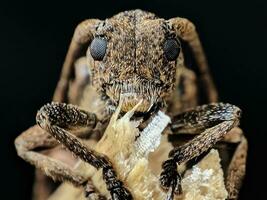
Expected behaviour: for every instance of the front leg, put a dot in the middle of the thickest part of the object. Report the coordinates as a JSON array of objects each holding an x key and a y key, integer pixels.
[
  {"x": 213, "y": 121},
  {"x": 55, "y": 118}
]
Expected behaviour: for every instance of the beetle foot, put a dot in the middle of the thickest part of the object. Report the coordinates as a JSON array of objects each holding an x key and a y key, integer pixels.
[{"x": 170, "y": 179}]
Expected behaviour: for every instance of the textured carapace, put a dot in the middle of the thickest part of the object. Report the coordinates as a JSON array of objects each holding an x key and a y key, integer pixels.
[
  {"x": 135, "y": 66},
  {"x": 132, "y": 56}
]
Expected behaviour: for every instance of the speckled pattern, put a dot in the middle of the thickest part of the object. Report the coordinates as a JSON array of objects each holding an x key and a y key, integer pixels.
[
  {"x": 133, "y": 68},
  {"x": 134, "y": 62}
]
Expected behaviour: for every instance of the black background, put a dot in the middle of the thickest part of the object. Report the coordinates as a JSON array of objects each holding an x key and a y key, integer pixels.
[{"x": 34, "y": 37}]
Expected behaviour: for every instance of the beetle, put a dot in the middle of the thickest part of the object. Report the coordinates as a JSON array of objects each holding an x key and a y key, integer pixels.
[{"x": 133, "y": 56}]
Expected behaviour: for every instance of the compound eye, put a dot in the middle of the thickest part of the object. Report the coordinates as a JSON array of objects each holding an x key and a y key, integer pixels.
[
  {"x": 171, "y": 49},
  {"x": 98, "y": 48}
]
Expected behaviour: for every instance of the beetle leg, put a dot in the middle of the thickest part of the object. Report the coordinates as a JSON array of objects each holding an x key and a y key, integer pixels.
[
  {"x": 34, "y": 138},
  {"x": 213, "y": 121},
  {"x": 56, "y": 118},
  {"x": 82, "y": 36},
  {"x": 237, "y": 169}
]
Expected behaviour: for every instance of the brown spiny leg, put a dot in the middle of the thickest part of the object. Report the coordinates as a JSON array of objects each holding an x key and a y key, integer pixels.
[
  {"x": 34, "y": 138},
  {"x": 56, "y": 118},
  {"x": 237, "y": 168},
  {"x": 213, "y": 121},
  {"x": 82, "y": 36},
  {"x": 187, "y": 32}
]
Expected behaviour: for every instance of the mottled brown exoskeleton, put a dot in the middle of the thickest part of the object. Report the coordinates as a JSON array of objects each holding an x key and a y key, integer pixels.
[{"x": 130, "y": 57}]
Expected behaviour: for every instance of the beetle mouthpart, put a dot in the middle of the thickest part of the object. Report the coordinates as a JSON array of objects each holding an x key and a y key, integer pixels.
[
  {"x": 130, "y": 101},
  {"x": 132, "y": 92}
]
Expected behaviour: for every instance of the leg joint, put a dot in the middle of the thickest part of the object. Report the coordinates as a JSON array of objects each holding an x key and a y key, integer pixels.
[{"x": 64, "y": 116}]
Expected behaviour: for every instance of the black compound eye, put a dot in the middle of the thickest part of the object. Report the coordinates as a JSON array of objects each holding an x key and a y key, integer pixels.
[
  {"x": 98, "y": 48},
  {"x": 171, "y": 49}
]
